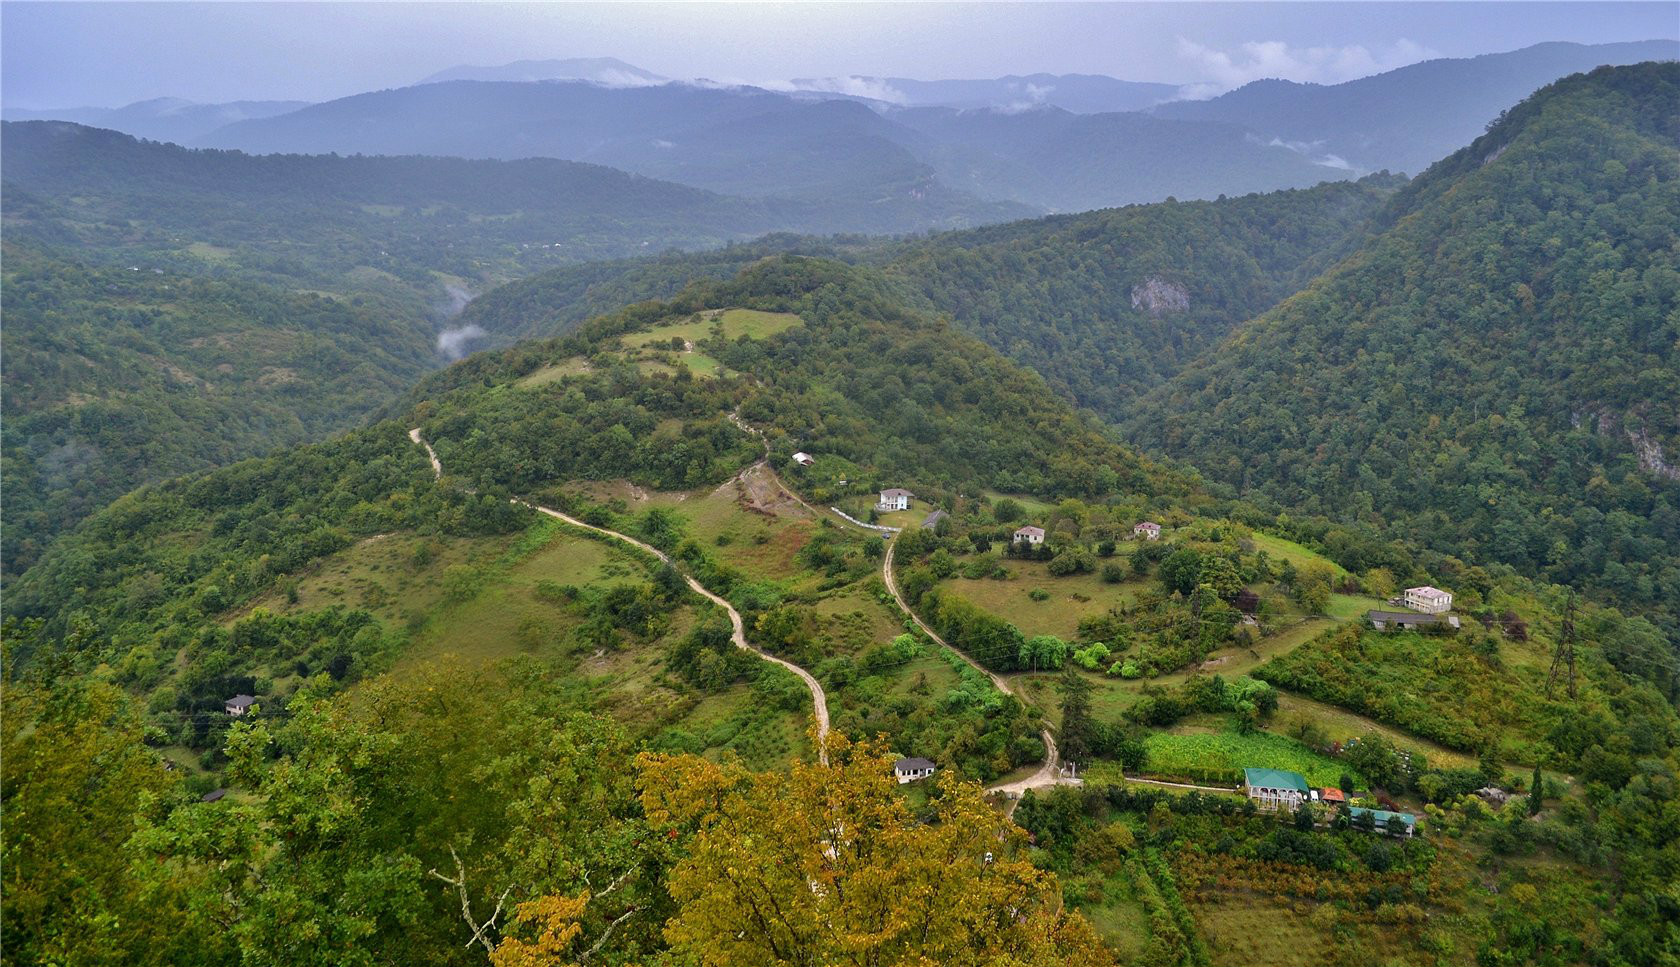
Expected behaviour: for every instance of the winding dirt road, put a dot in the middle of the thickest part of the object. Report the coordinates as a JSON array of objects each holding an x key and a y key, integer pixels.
[
  {"x": 819, "y": 699},
  {"x": 1048, "y": 774}
]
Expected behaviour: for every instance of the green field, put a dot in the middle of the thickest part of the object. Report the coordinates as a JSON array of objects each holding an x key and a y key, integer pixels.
[
  {"x": 1182, "y": 750},
  {"x": 755, "y": 324},
  {"x": 554, "y": 372},
  {"x": 1279, "y": 549},
  {"x": 1071, "y": 598}
]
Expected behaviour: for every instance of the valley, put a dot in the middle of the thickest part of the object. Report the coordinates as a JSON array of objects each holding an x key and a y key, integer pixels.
[{"x": 570, "y": 517}]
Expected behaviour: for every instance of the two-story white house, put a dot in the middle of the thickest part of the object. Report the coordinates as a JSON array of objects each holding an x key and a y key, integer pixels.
[
  {"x": 1029, "y": 535},
  {"x": 1275, "y": 788},
  {"x": 1428, "y": 600},
  {"x": 1148, "y": 530},
  {"x": 895, "y": 498}
]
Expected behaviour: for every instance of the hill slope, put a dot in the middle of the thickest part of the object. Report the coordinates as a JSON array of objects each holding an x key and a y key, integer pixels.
[
  {"x": 750, "y": 141},
  {"x": 115, "y": 378},
  {"x": 1407, "y": 119},
  {"x": 1104, "y": 304},
  {"x": 1495, "y": 374}
]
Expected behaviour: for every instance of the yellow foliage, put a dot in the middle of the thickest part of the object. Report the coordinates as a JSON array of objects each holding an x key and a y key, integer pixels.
[
  {"x": 826, "y": 864},
  {"x": 556, "y": 920}
]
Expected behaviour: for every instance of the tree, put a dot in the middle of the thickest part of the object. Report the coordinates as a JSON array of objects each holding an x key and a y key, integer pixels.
[
  {"x": 1180, "y": 571},
  {"x": 1079, "y": 730},
  {"x": 1006, "y": 511},
  {"x": 76, "y": 773},
  {"x": 827, "y": 864},
  {"x": 1536, "y": 791},
  {"x": 1304, "y": 818}
]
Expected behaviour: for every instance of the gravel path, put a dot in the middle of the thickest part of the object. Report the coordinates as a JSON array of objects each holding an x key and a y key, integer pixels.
[{"x": 819, "y": 699}]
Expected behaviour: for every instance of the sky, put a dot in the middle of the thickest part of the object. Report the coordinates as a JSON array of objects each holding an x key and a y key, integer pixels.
[{"x": 109, "y": 54}]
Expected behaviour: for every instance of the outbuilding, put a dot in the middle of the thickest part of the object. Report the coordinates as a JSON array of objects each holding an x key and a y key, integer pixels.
[{"x": 912, "y": 770}]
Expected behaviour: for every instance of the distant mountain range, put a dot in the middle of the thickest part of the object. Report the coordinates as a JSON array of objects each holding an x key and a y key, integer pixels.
[
  {"x": 1079, "y": 93},
  {"x": 1406, "y": 119},
  {"x": 749, "y": 141},
  {"x": 607, "y": 71},
  {"x": 1043, "y": 141},
  {"x": 162, "y": 118}
]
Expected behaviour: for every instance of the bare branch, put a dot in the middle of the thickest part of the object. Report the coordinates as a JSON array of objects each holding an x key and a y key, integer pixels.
[{"x": 599, "y": 943}]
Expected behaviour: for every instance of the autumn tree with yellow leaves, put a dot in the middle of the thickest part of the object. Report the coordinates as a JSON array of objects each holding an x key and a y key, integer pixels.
[{"x": 829, "y": 865}]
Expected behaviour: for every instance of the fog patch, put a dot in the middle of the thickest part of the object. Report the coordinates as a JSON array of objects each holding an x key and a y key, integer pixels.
[{"x": 452, "y": 343}]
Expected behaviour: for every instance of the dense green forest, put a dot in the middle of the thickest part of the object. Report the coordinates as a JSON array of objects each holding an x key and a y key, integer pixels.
[
  {"x": 1104, "y": 304},
  {"x": 430, "y": 784},
  {"x": 117, "y": 377},
  {"x": 1494, "y": 374},
  {"x": 330, "y": 221}
]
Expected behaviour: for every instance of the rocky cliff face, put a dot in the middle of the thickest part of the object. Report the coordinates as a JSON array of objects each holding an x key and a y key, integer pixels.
[{"x": 1157, "y": 296}]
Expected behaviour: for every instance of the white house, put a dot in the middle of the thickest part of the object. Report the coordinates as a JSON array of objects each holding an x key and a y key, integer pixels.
[
  {"x": 1029, "y": 535},
  {"x": 239, "y": 704},
  {"x": 911, "y": 770},
  {"x": 804, "y": 459},
  {"x": 895, "y": 498},
  {"x": 1148, "y": 530},
  {"x": 1275, "y": 788},
  {"x": 1428, "y": 600}
]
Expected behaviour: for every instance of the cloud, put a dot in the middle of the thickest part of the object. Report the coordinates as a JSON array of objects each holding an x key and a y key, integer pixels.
[
  {"x": 452, "y": 343},
  {"x": 873, "y": 88},
  {"x": 1257, "y": 60}
]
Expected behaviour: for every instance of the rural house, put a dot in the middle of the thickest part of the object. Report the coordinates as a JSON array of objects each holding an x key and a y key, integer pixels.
[
  {"x": 1428, "y": 600},
  {"x": 911, "y": 770},
  {"x": 1384, "y": 821},
  {"x": 895, "y": 498},
  {"x": 1330, "y": 795},
  {"x": 1407, "y": 621},
  {"x": 932, "y": 520},
  {"x": 1148, "y": 530},
  {"x": 804, "y": 459},
  {"x": 1029, "y": 535},
  {"x": 239, "y": 704},
  {"x": 1275, "y": 788}
]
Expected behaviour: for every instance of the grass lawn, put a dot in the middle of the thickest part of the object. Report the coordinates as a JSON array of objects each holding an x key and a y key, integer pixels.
[
  {"x": 1243, "y": 929},
  {"x": 1279, "y": 549},
  {"x": 384, "y": 575},
  {"x": 1199, "y": 746},
  {"x": 690, "y": 331},
  {"x": 1071, "y": 598},
  {"x": 210, "y": 253},
  {"x": 1119, "y": 919},
  {"x": 755, "y": 324},
  {"x": 554, "y": 372},
  {"x": 1340, "y": 725},
  {"x": 700, "y": 364},
  {"x": 506, "y": 617}
]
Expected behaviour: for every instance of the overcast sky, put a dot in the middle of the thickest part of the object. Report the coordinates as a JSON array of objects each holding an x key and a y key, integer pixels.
[{"x": 108, "y": 54}]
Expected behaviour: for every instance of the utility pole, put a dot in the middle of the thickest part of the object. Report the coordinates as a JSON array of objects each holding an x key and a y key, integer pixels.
[{"x": 1565, "y": 653}]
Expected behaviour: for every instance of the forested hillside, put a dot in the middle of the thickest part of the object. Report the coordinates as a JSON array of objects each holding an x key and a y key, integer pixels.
[
  {"x": 117, "y": 377},
  {"x": 1494, "y": 375},
  {"x": 460, "y": 702},
  {"x": 361, "y": 222},
  {"x": 1109, "y": 303},
  {"x": 765, "y": 144},
  {"x": 1104, "y": 305},
  {"x": 1408, "y": 118},
  {"x": 297, "y": 576}
]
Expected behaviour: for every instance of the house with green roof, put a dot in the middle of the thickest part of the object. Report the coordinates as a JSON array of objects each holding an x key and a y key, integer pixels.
[
  {"x": 1384, "y": 821},
  {"x": 1275, "y": 788}
]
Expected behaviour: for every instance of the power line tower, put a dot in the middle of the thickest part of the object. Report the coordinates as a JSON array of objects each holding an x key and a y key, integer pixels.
[{"x": 1565, "y": 653}]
